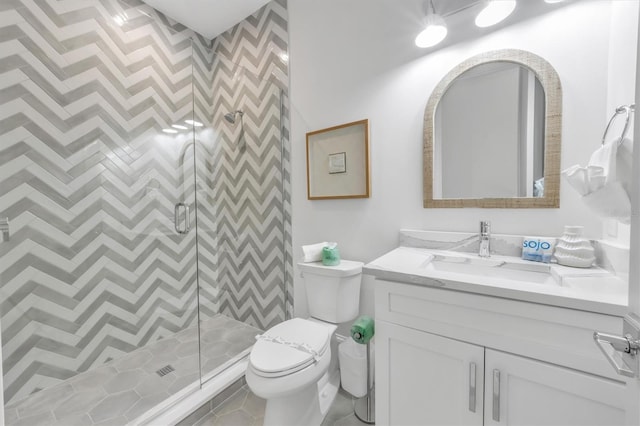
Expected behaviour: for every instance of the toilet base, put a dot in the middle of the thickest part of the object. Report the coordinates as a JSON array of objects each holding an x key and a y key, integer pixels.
[{"x": 308, "y": 406}]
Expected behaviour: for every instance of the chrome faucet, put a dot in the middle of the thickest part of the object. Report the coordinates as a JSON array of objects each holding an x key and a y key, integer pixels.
[{"x": 485, "y": 239}]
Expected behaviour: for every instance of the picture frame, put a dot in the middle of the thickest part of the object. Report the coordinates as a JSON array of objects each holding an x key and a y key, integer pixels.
[{"x": 338, "y": 162}]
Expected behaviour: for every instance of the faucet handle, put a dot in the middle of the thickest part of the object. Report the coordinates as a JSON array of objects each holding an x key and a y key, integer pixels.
[{"x": 485, "y": 227}]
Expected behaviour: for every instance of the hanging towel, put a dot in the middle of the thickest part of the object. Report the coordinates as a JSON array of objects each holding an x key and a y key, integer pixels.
[
  {"x": 599, "y": 183},
  {"x": 624, "y": 159},
  {"x": 610, "y": 201}
]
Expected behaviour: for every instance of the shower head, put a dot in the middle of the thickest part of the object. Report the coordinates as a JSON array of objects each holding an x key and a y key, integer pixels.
[{"x": 231, "y": 116}]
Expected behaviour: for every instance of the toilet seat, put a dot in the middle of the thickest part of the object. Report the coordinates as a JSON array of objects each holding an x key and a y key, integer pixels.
[{"x": 289, "y": 347}]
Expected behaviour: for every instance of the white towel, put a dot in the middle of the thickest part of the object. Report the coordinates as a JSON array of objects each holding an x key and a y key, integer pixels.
[
  {"x": 600, "y": 171},
  {"x": 313, "y": 252},
  {"x": 602, "y": 165},
  {"x": 604, "y": 183},
  {"x": 577, "y": 178},
  {"x": 610, "y": 201},
  {"x": 624, "y": 159}
]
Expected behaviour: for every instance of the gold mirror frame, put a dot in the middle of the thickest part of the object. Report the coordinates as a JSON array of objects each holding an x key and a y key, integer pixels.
[{"x": 552, "y": 132}]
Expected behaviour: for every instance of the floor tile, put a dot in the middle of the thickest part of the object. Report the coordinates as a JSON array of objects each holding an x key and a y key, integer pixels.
[
  {"x": 114, "y": 406},
  {"x": 234, "y": 418},
  {"x": 127, "y": 387},
  {"x": 79, "y": 403},
  {"x": 123, "y": 381}
]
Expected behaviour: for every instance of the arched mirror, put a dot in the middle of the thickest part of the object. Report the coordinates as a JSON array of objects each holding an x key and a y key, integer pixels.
[{"x": 492, "y": 134}]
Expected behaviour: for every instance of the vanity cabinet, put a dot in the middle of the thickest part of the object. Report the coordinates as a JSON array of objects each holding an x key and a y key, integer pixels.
[
  {"x": 453, "y": 358},
  {"x": 430, "y": 380},
  {"x": 521, "y": 391}
]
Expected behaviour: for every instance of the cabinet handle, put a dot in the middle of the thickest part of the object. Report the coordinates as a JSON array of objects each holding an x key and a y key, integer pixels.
[
  {"x": 472, "y": 387},
  {"x": 496, "y": 395}
]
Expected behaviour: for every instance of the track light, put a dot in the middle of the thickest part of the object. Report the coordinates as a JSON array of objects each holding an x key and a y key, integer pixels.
[
  {"x": 435, "y": 29},
  {"x": 494, "y": 12}
]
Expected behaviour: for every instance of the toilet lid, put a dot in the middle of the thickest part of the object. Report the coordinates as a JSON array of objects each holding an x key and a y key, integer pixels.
[{"x": 279, "y": 350}]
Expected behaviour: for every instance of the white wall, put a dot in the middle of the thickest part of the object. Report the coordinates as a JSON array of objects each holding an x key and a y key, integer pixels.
[{"x": 355, "y": 59}]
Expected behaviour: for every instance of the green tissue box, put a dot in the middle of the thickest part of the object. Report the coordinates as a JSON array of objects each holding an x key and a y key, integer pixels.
[{"x": 330, "y": 256}]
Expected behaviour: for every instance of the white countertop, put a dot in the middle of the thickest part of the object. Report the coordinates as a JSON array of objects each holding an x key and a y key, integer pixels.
[{"x": 592, "y": 289}]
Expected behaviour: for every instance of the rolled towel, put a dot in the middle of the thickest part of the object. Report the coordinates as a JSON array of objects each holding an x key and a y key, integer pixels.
[
  {"x": 363, "y": 329},
  {"x": 313, "y": 252}
]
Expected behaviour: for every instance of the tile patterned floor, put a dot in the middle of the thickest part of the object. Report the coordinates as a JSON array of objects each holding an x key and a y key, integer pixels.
[
  {"x": 122, "y": 390},
  {"x": 246, "y": 409}
]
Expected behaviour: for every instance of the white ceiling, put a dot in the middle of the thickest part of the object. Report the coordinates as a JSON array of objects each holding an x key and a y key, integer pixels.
[{"x": 210, "y": 18}]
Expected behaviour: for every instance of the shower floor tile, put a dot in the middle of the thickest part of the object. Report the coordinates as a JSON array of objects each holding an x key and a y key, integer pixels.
[{"x": 121, "y": 390}]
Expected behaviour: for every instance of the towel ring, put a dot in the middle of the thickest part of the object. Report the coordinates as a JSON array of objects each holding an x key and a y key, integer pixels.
[{"x": 628, "y": 109}]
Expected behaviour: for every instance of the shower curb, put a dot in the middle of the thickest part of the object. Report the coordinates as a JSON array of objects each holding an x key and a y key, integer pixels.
[{"x": 212, "y": 404}]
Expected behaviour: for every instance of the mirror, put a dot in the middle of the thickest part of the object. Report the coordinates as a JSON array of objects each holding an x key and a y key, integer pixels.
[{"x": 492, "y": 134}]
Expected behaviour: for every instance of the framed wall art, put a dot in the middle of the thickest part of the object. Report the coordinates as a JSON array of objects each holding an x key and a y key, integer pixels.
[{"x": 338, "y": 162}]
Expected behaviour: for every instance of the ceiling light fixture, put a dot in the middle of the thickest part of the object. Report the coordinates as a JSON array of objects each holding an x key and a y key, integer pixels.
[
  {"x": 179, "y": 127},
  {"x": 553, "y": 1},
  {"x": 170, "y": 131},
  {"x": 494, "y": 12},
  {"x": 435, "y": 29}
]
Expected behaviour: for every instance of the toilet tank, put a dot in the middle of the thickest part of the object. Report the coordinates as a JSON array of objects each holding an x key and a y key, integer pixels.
[{"x": 333, "y": 292}]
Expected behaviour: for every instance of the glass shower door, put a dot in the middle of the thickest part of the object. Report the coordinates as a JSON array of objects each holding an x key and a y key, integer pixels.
[
  {"x": 98, "y": 276},
  {"x": 240, "y": 216}
]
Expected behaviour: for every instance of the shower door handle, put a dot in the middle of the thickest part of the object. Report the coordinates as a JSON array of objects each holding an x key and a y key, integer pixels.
[
  {"x": 187, "y": 219},
  {"x": 176, "y": 218}
]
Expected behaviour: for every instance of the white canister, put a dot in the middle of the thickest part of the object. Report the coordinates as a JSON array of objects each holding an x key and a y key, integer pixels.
[{"x": 573, "y": 249}]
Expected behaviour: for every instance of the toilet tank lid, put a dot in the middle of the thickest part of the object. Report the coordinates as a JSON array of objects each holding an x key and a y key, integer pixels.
[{"x": 345, "y": 268}]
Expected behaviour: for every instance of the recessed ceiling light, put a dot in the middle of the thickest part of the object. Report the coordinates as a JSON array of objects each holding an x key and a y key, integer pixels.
[
  {"x": 434, "y": 32},
  {"x": 179, "y": 127},
  {"x": 494, "y": 12},
  {"x": 169, "y": 130}
]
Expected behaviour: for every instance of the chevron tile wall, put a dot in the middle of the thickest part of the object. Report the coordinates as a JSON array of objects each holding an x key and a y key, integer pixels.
[
  {"x": 88, "y": 180},
  {"x": 251, "y": 74}
]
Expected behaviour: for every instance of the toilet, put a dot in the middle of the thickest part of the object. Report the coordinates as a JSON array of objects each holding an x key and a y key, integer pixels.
[{"x": 294, "y": 365}]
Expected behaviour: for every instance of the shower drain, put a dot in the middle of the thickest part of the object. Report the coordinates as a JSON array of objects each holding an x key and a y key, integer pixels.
[{"x": 165, "y": 370}]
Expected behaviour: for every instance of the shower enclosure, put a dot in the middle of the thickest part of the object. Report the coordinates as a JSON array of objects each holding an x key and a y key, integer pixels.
[{"x": 146, "y": 233}]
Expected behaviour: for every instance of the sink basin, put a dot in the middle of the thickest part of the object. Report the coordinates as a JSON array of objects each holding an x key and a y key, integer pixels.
[
  {"x": 589, "y": 289},
  {"x": 498, "y": 268}
]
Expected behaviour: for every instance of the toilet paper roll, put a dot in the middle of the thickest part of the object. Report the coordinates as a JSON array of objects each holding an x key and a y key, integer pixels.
[{"x": 362, "y": 330}]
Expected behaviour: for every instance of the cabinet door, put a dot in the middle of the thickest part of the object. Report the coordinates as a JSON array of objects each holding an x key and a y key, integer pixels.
[
  {"x": 522, "y": 391},
  {"x": 424, "y": 379}
]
